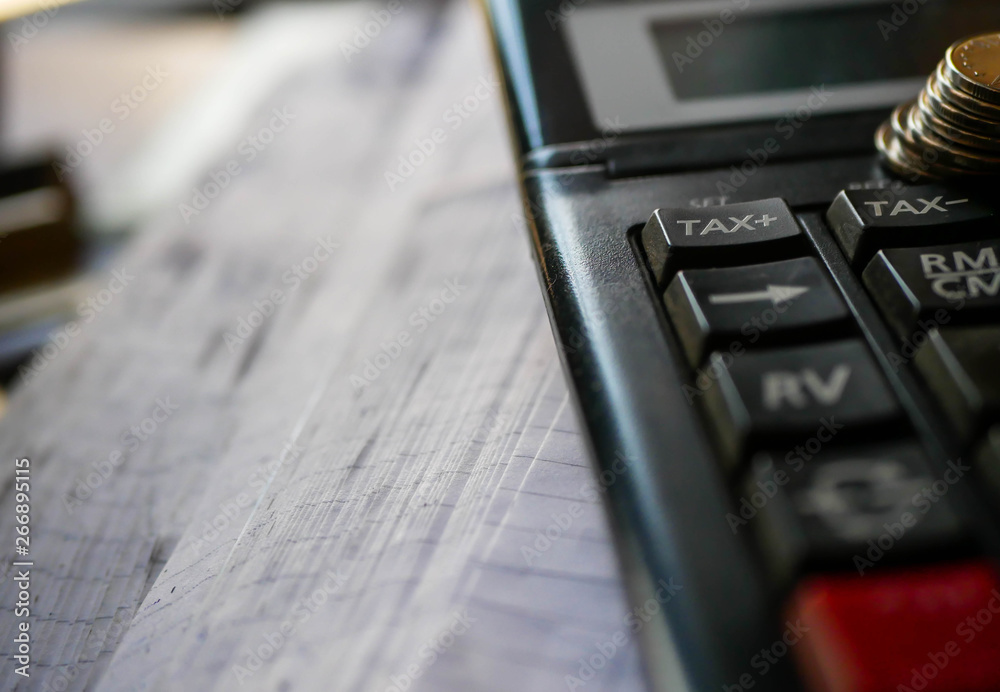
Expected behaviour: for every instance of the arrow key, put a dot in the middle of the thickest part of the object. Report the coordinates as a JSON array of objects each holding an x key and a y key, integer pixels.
[{"x": 786, "y": 301}]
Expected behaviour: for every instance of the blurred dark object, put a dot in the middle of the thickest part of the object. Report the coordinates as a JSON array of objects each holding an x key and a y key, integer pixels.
[
  {"x": 124, "y": 7},
  {"x": 39, "y": 242}
]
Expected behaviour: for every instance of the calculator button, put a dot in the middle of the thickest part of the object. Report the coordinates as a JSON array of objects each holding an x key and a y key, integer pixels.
[
  {"x": 866, "y": 220},
  {"x": 915, "y": 285},
  {"x": 987, "y": 460},
  {"x": 853, "y": 510},
  {"x": 744, "y": 232},
  {"x": 789, "y": 392},
  {"x": 935, "y": 629},
  {"x": 755, "y": 304},
  {"x": 960, "y": 365}
]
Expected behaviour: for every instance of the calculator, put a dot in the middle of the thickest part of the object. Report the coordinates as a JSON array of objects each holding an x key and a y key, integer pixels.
[{"x": 786, "y": 357}]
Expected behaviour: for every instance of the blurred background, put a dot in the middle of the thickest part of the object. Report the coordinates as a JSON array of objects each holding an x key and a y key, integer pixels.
[
  {"x": 111, "y": 109},
  {"x": 367, "y": 464}
]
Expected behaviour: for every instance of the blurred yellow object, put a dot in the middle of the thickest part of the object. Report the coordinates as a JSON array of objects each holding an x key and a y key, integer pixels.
[{"x": 11, "y": 9}]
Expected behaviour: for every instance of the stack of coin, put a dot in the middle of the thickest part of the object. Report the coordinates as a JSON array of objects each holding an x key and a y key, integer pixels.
[{"x": 953, "y": 128}]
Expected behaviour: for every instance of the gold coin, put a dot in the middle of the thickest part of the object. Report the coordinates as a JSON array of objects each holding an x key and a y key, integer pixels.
[
  {"x": 898, "y": 161},
  {"x": 951, "y": 131},
  {"x": 921, "y": 158},
  {"x": 949, "y": 154},
  {"x": 899, "y": 121},
  {"x": 899, "y": 124},
  {"x": 906, "y": 164},
  {"x": 974, "y": 65},
  {"x": 950, "y": 112},
  {"x": 951, "y": 93}
]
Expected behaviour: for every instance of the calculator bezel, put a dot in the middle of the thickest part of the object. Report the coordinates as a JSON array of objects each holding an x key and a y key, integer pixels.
[
  {"x": 625, "y": 367},
  {"x": 627, "y": 372},
  {"x": 553, "y": 125}
]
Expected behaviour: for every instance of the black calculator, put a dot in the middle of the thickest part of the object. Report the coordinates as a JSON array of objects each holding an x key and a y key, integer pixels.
[{"x": 786, "y": 358}]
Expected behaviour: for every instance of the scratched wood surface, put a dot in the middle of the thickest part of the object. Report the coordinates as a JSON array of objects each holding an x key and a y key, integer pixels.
[{"x": 316, "y": 441}]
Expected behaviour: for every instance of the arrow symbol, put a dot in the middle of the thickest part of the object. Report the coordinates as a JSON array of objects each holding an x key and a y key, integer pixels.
[{"x": 775, "y": 294}]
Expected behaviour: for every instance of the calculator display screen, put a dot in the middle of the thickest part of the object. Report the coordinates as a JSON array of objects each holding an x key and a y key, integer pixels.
[
  {"x": 780, "y": 51},
  {"x": 678, "y": 63}
]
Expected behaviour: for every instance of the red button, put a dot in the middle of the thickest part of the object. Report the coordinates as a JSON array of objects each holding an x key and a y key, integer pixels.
[{"x": 926, "y": 630}]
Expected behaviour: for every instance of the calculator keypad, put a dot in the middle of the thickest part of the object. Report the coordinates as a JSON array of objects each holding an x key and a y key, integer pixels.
[
  {"x": 987, "y": 460},
  {"x": 849, "y": 509},
  {"x": 932, "y": 629},
  {"x": 960, "y": 366},
  {"x": 938, "y": 285},
  {"x": 827, "y": 477},
  {"x": 866, "y": 220},
  {"x": 758, "y": 303},
  {"x": 744, "y": 232},
  {"x": 788, "y": 393}
]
